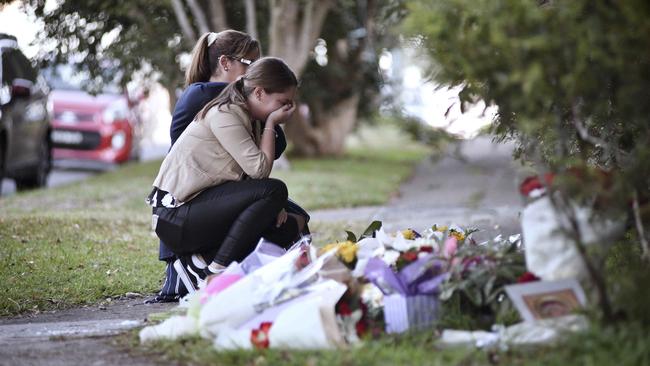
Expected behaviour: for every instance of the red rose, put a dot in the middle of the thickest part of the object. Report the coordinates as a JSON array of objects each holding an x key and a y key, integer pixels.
[
  {"x": 410, "y": 256},
  {"x": 343, "y": 308},
  {"x": 259, "y": 339},
  {"x": 361, "y": 327},
  {"x": 527, "y": 277},
  {"x": 426, "y": 249},
  {"x": 302, "y": 261},
  {"x": 265, "y": 327},
  {"x": 533, "y": 182}
]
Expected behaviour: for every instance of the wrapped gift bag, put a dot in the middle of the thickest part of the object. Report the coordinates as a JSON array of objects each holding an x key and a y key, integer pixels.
[
  {"x": 265, "y": 252},
  {"x": 403, "y": 313}
]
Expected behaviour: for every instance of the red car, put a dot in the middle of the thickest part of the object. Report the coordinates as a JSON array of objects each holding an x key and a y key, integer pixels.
[{"x": 102, "y": 128}]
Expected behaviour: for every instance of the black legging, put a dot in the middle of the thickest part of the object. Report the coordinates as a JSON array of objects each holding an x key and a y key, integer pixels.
[{"x": 225, "y": 222}]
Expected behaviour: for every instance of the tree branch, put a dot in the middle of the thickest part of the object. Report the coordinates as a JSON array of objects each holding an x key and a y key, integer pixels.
[
  {"x": 199, "y": 16},
  {"x": 639, "y": 227},
  {"x": 184, "y": 22},
  {"x": 563, "y": 207},
  {"x": 218, "y": 15},
  {"x": 584, "y": 134}
]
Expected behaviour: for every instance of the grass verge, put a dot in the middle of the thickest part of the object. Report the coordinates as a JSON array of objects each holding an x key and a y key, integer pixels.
[
  {"x": 621, "y": 346},
  {"x": 87, "y": 241}
]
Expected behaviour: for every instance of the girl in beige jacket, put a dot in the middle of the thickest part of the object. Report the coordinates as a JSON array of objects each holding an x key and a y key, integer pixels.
[{"x": 213, "y": 198}]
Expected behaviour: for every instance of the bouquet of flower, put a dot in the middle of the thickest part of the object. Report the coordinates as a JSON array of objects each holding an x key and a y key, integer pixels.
[
  {"x": 406, "y": 267},
  {"x": 475, "y": 287}
]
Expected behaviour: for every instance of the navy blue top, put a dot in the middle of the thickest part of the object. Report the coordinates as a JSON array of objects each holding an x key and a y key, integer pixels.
[{"x": 194, "y": 98}]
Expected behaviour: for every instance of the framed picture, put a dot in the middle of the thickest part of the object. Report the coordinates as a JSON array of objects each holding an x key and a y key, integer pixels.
[{"x": 546, "y": 299}]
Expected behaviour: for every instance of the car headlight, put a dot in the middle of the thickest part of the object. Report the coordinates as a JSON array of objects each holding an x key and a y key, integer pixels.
[
  {"x": 115, "y": 111},
  {"x": 118, "y": 140}
]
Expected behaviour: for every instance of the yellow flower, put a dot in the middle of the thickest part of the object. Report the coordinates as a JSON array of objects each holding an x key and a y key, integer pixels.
[
  {"x": 441, "y": 229},
  {"x": 347, "y": 251},
  {"x": 408, "y": 234},
  {"x": 457, "y": 234}
]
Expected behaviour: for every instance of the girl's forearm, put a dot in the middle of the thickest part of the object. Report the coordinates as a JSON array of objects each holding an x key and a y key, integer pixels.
[{"x": 267, "y": 145}]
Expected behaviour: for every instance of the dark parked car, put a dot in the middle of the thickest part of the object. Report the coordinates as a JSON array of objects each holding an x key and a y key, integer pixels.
[{"x": 25, "y": 147}]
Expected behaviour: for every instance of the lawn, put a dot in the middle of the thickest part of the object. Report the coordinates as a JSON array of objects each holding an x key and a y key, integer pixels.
[
  {"x": 81, "y": 243},
  {"x": 628, "y": 346}
]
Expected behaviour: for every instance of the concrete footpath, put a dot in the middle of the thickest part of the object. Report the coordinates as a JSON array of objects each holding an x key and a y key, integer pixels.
[{"x": 473, "y": 185}]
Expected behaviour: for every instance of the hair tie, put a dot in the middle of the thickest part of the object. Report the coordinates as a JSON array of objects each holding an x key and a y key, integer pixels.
[
  {"x": 240, "y": 82},
  {"x": 211, "y": 38}
]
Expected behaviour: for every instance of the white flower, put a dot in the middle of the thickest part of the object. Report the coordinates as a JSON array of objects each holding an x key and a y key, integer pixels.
[
  {"x": 383, "y": 237},
  {"x": 372, "y": 296},
  {"x": 390, "y": 256}
]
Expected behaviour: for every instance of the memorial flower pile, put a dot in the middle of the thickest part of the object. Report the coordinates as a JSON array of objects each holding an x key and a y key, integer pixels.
[{"x": 332, "y": 297}]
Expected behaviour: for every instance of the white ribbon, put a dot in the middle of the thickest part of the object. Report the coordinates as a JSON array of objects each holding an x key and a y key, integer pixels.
[{"x": 211, "y": 38}]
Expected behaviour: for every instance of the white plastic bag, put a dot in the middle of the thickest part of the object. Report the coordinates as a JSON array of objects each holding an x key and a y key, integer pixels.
[{"x": 550, "y": 253}]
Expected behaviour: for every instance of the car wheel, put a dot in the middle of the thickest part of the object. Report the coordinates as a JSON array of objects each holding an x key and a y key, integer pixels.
[{"x": 38, "y": 176}]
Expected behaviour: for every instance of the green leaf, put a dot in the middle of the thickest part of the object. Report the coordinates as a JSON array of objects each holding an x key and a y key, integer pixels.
[
  {"x": 487, "y": 289},
  {"x": 370, "y": 230},
  {"x": 447, "y": 293},
  {"x": 351, "y": 237}
]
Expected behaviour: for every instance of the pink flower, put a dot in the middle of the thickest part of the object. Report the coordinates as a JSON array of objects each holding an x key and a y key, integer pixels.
[
  {"x": 451, "y": 245},
  {"x": 218, "y": 284}
]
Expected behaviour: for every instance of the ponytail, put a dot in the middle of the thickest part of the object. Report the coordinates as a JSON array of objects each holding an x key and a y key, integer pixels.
[
  {"x": 235, "y": 93},
  {"x": 200, "y": 68},
  {"x": 211, "y": 46}
]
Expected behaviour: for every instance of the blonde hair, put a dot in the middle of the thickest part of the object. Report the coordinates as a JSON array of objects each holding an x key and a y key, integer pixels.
[
  {"x": 211, "y": 46},
  {"x": 269, "y": 73}
]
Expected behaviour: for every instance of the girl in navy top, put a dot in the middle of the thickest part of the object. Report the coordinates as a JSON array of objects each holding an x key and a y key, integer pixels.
[{"x": 217, "y": 60}]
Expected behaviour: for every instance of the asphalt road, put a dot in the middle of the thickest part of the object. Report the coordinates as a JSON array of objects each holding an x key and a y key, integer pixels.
[
  {"x": 66, "y": 172},
  {"x": 57, "y": 177}
]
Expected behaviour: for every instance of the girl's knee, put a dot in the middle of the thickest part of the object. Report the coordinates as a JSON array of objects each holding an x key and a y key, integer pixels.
[
  {"x": 300, "y": 221},
  {"x": 278, "y": 189}
]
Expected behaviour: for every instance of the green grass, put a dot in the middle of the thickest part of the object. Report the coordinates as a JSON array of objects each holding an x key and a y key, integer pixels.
[
  {"x": 81, "y": 243},
  {"x": 622, "y": 346},
  {"x": 410, "y": 349}
]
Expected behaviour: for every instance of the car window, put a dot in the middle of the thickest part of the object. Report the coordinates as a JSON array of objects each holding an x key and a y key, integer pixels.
[
  {"x": 8, "y": 74},
  {"x": 16, "y": 65},
  {"x": 25, "y": 67},
  {"x": 8, "y": 69}
]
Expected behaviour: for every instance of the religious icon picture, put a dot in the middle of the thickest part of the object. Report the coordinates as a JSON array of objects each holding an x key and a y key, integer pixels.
[{"x": 546, "y": 299}]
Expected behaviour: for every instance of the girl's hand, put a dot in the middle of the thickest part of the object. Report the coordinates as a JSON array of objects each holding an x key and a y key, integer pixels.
[
  {"x": 282, "y": 218},
  {"x": 281, "y": 114}
]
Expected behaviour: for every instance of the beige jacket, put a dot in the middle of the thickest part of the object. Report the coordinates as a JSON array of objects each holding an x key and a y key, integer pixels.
[{"x": 221, "y": 147}]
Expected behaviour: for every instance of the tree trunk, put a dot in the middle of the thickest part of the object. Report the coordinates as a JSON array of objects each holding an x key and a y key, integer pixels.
[
  {"x": 184, "y": 22},
  {"x": 217, "y": 15},
  {"x": 293, "y": 30},
  {"x": 251, "y": 19},
  {"x": 199, "y": 16},
  {"x": 326, "y": 136}
]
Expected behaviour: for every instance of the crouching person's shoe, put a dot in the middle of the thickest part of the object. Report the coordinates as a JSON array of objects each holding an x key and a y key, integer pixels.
[
  {"x": 191, "y": 271},
  {"x": 173, "y": 288}
]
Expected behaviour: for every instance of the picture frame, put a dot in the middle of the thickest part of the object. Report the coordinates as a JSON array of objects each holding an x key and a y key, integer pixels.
[{"x": 547, "y": 299}]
